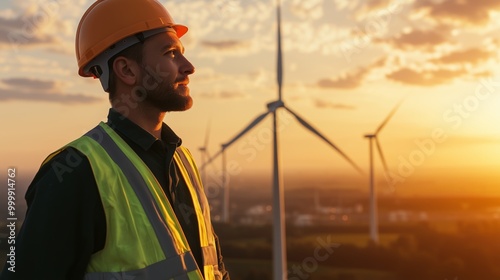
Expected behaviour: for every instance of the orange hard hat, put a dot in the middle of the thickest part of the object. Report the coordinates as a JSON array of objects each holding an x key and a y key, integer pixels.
[{"x": 107, "y": 25}]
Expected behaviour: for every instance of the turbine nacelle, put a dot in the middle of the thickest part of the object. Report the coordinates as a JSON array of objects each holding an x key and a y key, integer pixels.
[{"x": 273, "y": 106}]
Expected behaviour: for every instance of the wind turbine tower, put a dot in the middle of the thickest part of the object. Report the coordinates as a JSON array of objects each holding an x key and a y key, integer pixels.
[{"x": 205, "y": 155}]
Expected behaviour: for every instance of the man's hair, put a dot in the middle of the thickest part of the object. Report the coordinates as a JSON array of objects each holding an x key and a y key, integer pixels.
[{"x": 133, "y": 52}]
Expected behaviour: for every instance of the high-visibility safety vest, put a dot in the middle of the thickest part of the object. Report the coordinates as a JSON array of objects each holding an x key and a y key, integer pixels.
[{"x": 144, "y": 239}]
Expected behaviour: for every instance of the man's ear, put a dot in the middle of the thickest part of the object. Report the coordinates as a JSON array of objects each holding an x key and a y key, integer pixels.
[{"x": 126, "y": 70}]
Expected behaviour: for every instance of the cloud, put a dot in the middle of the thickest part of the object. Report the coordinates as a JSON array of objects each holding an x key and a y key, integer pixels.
[
  {"x": 323, "y": 104},
  {"x": 372, "y": 9},
  {"x": 471, "y": 56},
  {"x": 222, "y": 95},
  {"x": 207, "y": 74},
  {"x": 261, "y": 77},
  {"x": 322, "y": 38},
  {"x": 445, "y": 68},
  {"x": 15, "y": 32},
  {"x": 353, "y": 79},
  {"x": 365, "y": 6},
  {"x": 346, "y": 4},
  {"x": 311, "y": 9},
  {"x": 425, "y": 77},
  {"x": 27, "y": 89},
  {"x": 376, "y": 4},
  {"x": 483, "y": 74},
  {"x": 345, "y": 81},
  {"x": 217, "y": 17},
  {"x": 34, "y": 23},
  {"x": 24, "y": 83},
  {"x": 375, "y": 11},
  {"x": 459, "y": 12},
  {"x": 212, "y": 26},
  {"x": 413, "y": 39},
  {"x": 225, "y": 45}
]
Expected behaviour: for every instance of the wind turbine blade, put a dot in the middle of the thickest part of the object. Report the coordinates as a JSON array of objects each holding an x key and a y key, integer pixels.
[
  {"x": 388, "y": 117},
  {"x": 280, "y": 56},
  {"x": 250, "y": 126},
  {"x": 382, "y": 158},
  {"x": 315, "y": 131}
]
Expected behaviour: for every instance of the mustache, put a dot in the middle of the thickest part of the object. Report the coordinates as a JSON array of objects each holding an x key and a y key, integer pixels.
[{"x": 183, "y": 80}]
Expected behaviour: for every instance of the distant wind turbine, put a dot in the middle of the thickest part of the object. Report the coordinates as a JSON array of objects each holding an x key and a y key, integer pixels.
[
  {"x": 279, "y": 236},
  {"x": 373, "y": 196},
  {"x": 319, "y": 208},
  {"x": 205, "y": 155}
]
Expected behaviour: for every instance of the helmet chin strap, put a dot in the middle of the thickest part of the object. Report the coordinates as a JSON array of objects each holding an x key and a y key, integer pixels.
[{"x": 99, "y": 68}]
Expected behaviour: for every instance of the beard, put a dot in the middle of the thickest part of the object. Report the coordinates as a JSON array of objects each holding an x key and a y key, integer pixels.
[{"x": 166, "y": 98}]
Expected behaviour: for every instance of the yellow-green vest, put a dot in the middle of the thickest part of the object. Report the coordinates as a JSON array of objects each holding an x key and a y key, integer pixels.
[{"x": 144, "y": 239}]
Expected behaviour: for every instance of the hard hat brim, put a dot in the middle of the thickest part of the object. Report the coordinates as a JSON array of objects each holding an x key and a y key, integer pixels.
[{"x": 180, "y": 30}]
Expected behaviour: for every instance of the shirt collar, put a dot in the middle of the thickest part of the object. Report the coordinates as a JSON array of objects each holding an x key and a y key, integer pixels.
[{"x": 138, "y": 135}]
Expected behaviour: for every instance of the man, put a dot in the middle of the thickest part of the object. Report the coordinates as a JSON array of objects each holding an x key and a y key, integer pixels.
[{"x": 125, "y": 200}]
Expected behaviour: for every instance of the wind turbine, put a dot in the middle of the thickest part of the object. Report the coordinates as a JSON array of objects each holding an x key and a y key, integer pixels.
[
  {"x": 373, "y": 196},
  {"x": 279, "y": 236},
  {"x": 205, "y": 155}
]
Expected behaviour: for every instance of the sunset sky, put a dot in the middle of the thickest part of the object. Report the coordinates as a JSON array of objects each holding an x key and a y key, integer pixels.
[{"x": 347, "y": 63}]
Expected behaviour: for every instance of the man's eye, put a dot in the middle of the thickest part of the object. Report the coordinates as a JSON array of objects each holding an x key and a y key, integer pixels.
[{"x": 170, "y": 53}]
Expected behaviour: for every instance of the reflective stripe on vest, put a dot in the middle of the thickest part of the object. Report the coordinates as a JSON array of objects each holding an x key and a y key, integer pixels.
[
  {"x": 154, "y": 271},
  {"x": 184, "y": 160},
  {"x": 140, "y": 199}
]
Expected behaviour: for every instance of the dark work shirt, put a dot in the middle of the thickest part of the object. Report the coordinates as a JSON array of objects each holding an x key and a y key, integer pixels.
[{"x": 65, "y": 223}]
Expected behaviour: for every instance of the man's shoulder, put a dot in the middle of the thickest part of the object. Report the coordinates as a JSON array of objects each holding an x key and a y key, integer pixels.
[
  {"x": 64, "y": 164},
  {"x": 66, "y": 160},
  {"x": 64, "y": 172}
]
